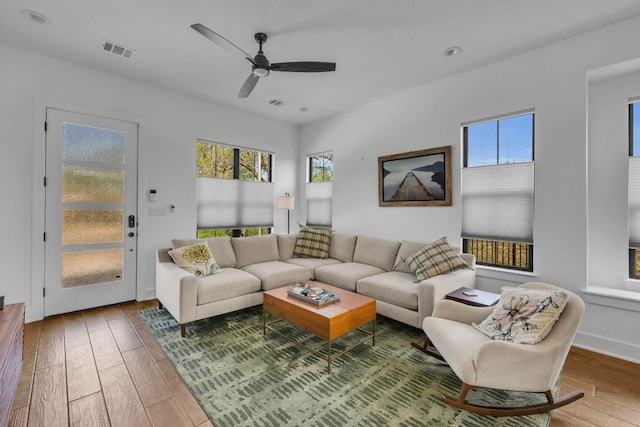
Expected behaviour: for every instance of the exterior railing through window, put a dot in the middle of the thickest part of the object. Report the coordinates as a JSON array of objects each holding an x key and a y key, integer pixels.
[{"x": 518, "y": 256}]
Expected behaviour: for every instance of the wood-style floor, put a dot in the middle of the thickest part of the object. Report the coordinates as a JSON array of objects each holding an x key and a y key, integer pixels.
[{"x": 102, "y": 367}]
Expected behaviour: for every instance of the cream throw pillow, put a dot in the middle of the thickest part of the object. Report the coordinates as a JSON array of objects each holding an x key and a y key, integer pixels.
[
  {"x": 196, "y": 259},
  {"x": 524, "y": 316},
  {"x": 434, "y": 259}
]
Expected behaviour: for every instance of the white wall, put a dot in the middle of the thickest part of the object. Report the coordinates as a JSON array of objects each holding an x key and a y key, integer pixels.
[
  {"x": 553, "y": 81},
  {"x": 169, "y": 126},
  {"x": 608, "y": 177}
]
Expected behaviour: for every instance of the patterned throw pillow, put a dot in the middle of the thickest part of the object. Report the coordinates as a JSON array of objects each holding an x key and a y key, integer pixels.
[
  {"x": 524, "y": 316},
  {"x": 312, "y": 242},
  {"x": 196, "y": 259},
  {"x": 434, "y": 259}
]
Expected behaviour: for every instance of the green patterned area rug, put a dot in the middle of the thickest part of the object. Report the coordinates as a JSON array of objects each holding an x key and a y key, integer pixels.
[{"x": 242, "y": 378}]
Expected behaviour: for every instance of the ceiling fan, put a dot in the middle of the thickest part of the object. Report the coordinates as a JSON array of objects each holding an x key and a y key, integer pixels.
[{"x": 260, "y": 64}]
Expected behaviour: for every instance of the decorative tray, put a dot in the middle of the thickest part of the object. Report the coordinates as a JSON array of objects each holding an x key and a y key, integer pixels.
[{"x": 313, "y": 294}]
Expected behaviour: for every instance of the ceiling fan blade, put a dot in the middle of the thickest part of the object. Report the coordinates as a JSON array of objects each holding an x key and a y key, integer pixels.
[
  {"x": 248, "y": 85},
  {"x": 221, "y": 41},
  {"x": 304, "y": 66}
]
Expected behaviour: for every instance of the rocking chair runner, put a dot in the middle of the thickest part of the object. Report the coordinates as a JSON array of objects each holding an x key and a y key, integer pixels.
[{"x": 481, "y": 362}]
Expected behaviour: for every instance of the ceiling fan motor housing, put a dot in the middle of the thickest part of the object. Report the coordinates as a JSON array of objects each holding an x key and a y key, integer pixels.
[{"x": 261, "y": 65}]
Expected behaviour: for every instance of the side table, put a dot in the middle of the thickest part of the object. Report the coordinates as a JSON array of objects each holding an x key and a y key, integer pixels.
[
  {"x": 469, "y": 296},
  {"x": 474, "y": 297}
]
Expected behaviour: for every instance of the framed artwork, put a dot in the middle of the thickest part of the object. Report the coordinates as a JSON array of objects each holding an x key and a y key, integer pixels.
[{"x": 416, "y": 178}]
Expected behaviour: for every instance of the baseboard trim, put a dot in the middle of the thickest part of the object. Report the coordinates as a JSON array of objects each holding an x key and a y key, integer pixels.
[{"x": 617, "y": 349}]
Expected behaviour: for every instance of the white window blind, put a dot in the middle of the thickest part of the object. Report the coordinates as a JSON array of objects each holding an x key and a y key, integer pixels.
[
  {"x": 232, "y": 203},
  {"x": 634, "y": 202},
  {"x": 498, "y": 202},
  {"x": 319, "y": 205}
]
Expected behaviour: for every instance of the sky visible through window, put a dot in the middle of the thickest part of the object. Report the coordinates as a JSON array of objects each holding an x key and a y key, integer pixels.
[
  {"x": 503, "y": 141},
  {"x": 635, "y": 117}
]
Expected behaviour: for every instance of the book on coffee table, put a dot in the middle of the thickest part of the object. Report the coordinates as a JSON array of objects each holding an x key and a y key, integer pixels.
[{"x": 317, "y": 296}]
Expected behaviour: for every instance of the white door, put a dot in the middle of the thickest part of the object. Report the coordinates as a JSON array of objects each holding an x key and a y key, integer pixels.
[{"x": 91, "y": 222}]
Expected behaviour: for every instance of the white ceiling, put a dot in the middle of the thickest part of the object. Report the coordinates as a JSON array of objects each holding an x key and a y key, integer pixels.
[{"x": 381, "y": 47}]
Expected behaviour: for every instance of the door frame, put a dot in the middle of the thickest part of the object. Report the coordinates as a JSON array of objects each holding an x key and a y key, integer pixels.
[{"x": 35, "y": 310}]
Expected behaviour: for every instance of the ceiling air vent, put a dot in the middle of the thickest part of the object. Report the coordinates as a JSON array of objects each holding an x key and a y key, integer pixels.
[
  {"x": 276, "y": 102},
  {"x": 117, "y": 49}
]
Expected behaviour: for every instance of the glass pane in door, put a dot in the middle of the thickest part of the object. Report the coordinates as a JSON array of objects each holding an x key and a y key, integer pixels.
[
  {"x": 91, "y": 267},
  {"x": 93, "y": 193},
  {"x": 92, "y": 185},
  {"x": 89, "y": 226},
  {"x": 93, "y": 144}
]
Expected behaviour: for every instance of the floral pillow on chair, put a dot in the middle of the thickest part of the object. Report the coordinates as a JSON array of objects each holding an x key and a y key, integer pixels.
[{"x": 524, "y": 316}]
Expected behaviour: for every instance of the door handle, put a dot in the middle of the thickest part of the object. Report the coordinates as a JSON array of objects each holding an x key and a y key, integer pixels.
[
  {"x": 132, "y": 221},
  {"x": 131, "y": 234}
]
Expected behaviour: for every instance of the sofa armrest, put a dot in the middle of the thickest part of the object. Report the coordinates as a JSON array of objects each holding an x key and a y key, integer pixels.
[
  {"x": 470, "y": 259},
  {"x": 176, "y": 288},
  {"x": 434, "y": 289}
]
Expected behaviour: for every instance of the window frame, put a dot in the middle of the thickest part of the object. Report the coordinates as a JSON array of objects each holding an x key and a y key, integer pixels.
[
  {"x": 237, "y": 175},
  {"x": 634, "y": 253},
  {"x": 467, "y": 242},
  {"x": 311, "y": 168},
  {"x": 319, "y": 193}
]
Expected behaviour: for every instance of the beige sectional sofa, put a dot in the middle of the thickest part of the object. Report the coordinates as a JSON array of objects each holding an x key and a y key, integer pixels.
[{"x": 251, "y": 265}]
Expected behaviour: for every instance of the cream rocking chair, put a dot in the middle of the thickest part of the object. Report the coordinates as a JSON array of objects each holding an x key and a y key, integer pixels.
[{"x": 481, "y": 362}]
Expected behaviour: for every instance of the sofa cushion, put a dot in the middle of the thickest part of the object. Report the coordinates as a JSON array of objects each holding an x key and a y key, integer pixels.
[
  {"x": 274, "y": 274},
  {"x": 222, "y": 251},
  {"x": 524, "y": 316},
  {"x": 342, "y": 246},
  {"x": 255, "y": 249},
  {"x": 196, "y": 259},
  {"x": 346, "y": 274},
  {"x": 312, "y": 242},
  {"x": 393, "y": 287},
  {"x": 220, "y": 248},
  {"x": 286, "y": 243},
  {"x": 228, "y": 283},
  {"x": 377, "y": 252},
  {"x": 312, "y": 263},
  {"x": 434, "y": 259},
  {"x": 407, "y": 248}
]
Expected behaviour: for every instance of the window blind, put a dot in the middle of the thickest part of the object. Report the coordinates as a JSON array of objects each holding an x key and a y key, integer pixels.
[
  {"x": 232, "y": 203},
  {"x": 319, "y": 203},
  {"x": 634, "y": 202},
  {"x": 498, "y": 202}
]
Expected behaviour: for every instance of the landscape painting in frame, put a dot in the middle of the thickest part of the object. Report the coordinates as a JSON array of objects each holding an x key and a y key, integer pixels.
[{"x": 416, "y": 178}]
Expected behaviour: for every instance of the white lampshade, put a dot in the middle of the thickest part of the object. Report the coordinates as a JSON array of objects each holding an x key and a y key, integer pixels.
[{"x": 286, "y": 202}]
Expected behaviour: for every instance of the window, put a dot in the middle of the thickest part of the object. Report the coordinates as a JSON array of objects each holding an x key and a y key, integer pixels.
[
  {"x": 320, "y": 189},
  {"x": 634, "y": 189},
  {"x": 498, "y": 191},
  {"x": 235, "y": 193}
]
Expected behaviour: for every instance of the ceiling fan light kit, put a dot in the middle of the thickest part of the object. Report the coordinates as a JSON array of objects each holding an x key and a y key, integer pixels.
[{"x": 261, "y": 67}]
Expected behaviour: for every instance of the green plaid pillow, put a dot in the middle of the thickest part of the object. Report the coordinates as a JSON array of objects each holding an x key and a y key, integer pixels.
[
  {"x": 312, "y": 242},
  {"x": 434, "y": 259}
]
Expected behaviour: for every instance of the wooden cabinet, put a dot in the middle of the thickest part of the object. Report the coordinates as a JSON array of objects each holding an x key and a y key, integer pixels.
[{"x": 11, "y": 347}]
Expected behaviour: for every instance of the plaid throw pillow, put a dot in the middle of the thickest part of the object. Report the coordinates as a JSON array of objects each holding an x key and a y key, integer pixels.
[
  {"x": 312, "y": 242},
  {"x": 434, "y": 259}
]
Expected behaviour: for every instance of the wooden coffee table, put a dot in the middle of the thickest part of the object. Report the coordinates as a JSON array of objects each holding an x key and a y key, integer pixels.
[{"x": 329, "y": 321}]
